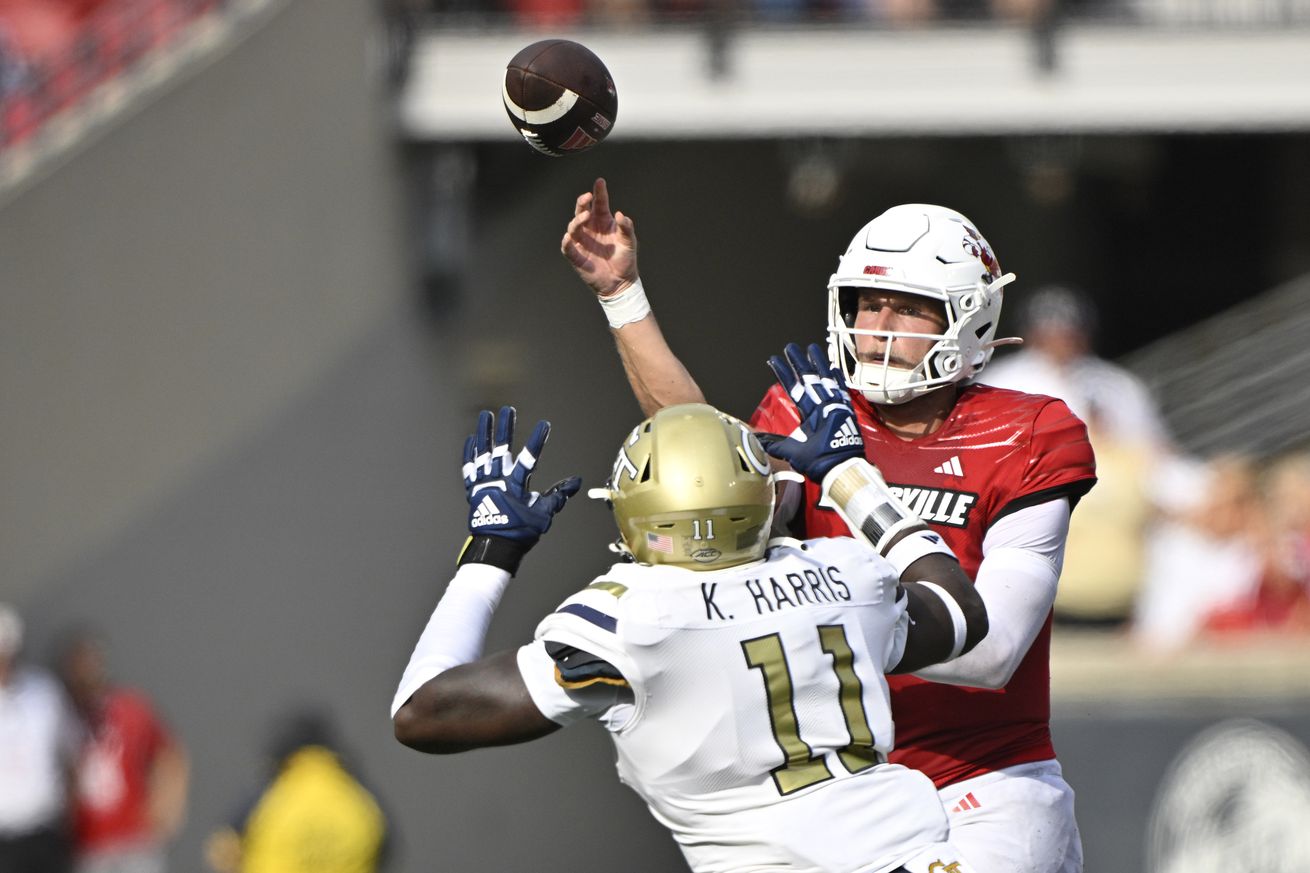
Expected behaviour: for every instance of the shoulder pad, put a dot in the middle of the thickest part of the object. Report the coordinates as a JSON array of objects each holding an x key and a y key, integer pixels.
[{"x": 576, "y": 668}]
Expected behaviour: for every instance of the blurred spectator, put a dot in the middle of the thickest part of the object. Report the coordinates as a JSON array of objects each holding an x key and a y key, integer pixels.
[
  {"x": 914, "y": 13},
  {"x": 1204, "y": 557},
  {"x": 1103, "y": 564},
  {"x": 132, "y": 774},
  {"x": 1059, "y": 326},
  {"x": 40, "y": 28},
  {"x": 53, "y": 53},
  {"x": 545, "y": 14},
  {"x": 37, "y": 744},
  {"x": 312, "y": 815},
  {"x": 1280, "y": 600}
]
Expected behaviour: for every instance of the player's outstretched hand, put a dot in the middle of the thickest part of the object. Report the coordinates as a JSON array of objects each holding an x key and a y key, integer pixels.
[
  {"x": 828, "y": 433},
  {"x": 601, "y": 245},
  {"x": 506, "y": 518}
]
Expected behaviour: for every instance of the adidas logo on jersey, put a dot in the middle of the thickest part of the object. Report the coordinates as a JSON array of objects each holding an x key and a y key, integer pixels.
[
  {"x": 950, "y": 468},
  {"x": 487, "y": 513},
  {"x": 847, "y": 435}
]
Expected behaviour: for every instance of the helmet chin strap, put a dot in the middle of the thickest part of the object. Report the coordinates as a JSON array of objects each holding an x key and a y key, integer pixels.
[
  {"x": 889, "y": 397},
  {"x": 891, "y": 388}
]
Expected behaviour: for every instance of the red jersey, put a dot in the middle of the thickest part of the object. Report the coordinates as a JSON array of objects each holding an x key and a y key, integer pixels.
[
  {"x": 997, "y": 452},
  {"x": 114, "y": 771}
]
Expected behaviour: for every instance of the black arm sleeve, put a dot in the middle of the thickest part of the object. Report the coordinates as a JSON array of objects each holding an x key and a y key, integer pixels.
[{"x": 932, "y": 631}]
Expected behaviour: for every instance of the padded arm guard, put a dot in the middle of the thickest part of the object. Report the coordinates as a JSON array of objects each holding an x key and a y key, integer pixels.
[{"x": 859, "y": 494}]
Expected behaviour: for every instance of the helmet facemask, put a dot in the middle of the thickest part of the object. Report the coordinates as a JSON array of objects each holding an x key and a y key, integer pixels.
[
  {"x": 691, "y": 487},
  {"x": 931, "y": 252},
  {"x": 963, "y": 347}
]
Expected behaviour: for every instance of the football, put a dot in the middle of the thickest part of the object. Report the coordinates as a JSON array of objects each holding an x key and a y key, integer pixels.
[{"x": 560, "y": 97}]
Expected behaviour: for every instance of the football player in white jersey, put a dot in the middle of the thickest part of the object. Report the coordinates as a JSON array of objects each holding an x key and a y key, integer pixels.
[{"x": 740, "y": 679}]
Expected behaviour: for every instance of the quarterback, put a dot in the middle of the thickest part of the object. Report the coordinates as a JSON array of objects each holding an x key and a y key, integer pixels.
[
  {"x": 740, "y": 679},
  {"x": 912, "y": 315}
]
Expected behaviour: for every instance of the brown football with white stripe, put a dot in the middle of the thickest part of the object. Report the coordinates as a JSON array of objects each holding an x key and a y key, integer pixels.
[{"x": 560, "y": 97}]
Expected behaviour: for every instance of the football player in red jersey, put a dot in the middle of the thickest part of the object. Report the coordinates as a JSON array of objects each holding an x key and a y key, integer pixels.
[{"x": 912, "y": 314}]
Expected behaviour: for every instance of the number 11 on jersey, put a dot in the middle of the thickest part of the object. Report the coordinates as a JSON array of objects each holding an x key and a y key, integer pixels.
[{"x": 801, "y": 768}]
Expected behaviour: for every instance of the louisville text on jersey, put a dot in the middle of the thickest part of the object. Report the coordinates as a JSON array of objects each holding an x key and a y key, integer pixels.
[
  {"x": 769, "y": 594},
  {"x": 937, "y": 505}
]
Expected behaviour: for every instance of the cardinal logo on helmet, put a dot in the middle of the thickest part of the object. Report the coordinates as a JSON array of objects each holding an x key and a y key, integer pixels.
[{"x": 975, "y": 245}]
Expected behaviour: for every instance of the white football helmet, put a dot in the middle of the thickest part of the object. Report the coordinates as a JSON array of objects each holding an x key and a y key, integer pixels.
[
  {"x": 930, "y": 251},
  {"x": 691, "y": 487}
]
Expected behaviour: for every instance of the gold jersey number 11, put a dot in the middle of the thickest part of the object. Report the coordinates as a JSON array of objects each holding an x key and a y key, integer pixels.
[{"x": 801, "y": 768}]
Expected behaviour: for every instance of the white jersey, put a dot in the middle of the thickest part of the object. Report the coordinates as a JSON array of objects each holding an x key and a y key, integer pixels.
[{"x": 758, "y": 717}]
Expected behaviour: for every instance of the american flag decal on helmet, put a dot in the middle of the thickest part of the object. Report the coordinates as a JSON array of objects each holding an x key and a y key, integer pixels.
[{"x": 659, "y": 543}]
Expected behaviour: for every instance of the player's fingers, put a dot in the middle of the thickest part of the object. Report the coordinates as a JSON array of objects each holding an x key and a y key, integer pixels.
[
  {"x": 822, "y": 367},
  {"x": 784, "y": 373},
  {"x": 776, "y": 445},
  {"x": 818, "y": 358},
  {"x": 482, "y": 441},
  {"x": 796, "y": 358},
  {"x": 805, "y": 374},
  {"x": 588, "y": 237},
  {"x": 553, "y": 499},
  {"x": 593, "y": 244},
  {"x": 826, "y": 365},
  {"x": 600, "y": 195},
  {"x": 505, "y": 425},
  {"x": 583, "y": 203},
  {"x": 574, "y": 254},
  {"x": 500, "y": 459},
  {"x": 536, "y": 440},
  {"x": 579, "y": 221},
  {"x": 526, "y": 462},
  {"x": 627, "y": 229},
  {"x": 469, "y": 469}
]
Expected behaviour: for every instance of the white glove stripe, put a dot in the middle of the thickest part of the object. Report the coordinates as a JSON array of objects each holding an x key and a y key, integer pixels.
[
  {"x": 501, "y": 453},
  {"x": 526, "y": 460},
  {"x": 833, "y": 407},
  {"x": 482, "y": 464},
  {"x": 810, "y": 381}
]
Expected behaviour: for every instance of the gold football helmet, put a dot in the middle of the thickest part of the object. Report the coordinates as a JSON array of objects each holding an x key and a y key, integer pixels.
[{"x": 691, "y": 487}]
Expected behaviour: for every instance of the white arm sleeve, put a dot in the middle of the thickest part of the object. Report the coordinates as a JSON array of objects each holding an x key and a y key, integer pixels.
[
  {"x": 1022, "y": 556},
  {"x": 457, "y": 629}
]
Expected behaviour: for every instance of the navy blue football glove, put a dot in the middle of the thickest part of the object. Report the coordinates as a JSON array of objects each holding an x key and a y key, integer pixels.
[
  {"x": 506, "y": 518},
  {"x": 828, "y": 432}
]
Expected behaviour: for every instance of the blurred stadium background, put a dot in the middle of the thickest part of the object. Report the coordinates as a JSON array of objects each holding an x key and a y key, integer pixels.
[{"x": 262, "y": 261}]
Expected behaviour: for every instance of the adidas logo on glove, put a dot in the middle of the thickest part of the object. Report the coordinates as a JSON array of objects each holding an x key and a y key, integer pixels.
[
  {"x": 847, "y": 436},
  {"x": 487, "y": 513}
]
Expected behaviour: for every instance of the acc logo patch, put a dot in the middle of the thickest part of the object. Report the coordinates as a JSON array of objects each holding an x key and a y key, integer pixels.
[{"x": 706, "y": 555}]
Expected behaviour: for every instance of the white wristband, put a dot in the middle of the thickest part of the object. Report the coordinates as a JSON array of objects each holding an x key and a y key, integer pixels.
[
  {"x": 957, "y": 618},
  {"x": 914, "y": 546},
  {"x": 627, "y": 306}
]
